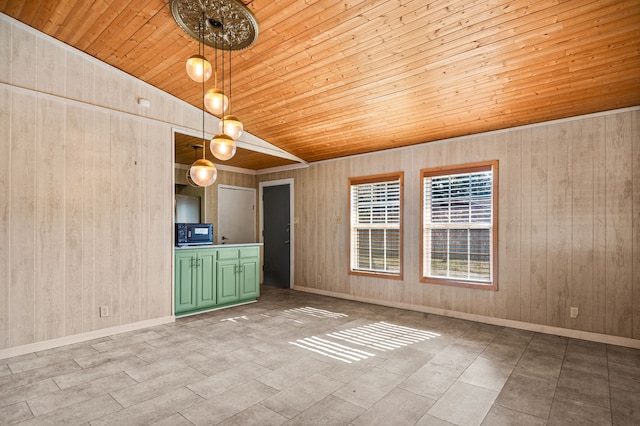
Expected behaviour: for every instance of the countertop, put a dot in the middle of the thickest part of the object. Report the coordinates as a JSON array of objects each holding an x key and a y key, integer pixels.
[{"x": 217, "y": 246}]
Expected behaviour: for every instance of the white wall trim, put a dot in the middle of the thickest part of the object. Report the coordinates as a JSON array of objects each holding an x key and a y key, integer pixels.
[
  {"x": 292, "y": 227},
  {"x": 233, "y": 169},
  {"x": 83, "y": 337},
  {"x": 282, "y": 168},
  {"x": 538, "y": 328}
]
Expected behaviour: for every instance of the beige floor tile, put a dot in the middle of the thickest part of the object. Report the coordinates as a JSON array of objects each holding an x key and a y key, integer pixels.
[
  {"x": 458, "y": 356},
  {"x": 477, "y": 403},
  {"x": 369, "y": 388},
  {"x": 38, "y": 374},
  {"x": 83, "y": 412},
  {"x": 572, "y": 413},
  {"x": 228, "y": 404},
  {"x": 405, "y": 362},
  {"x": 173, "y": 420},
  {"x": 624, "y": 377},
  {"x": 586, "y": 363},
  {"x": 625, "y": 407},
  {"x": 298, "y": 370},
  {"x": 140, "y": 392},
  {"x": 540, "y": 364},
  {"x": 118, "y": 353},
  {"x": 501, "y": 416},
  {"x": 331, "y": 411},
  {"x": 624, "y": 356},
  {"x": 256, "y": 415},
  {"x": 398, "y": 407},
  {"x": 583, "y": 387},
  {"x": 431, "y": 380},
  {"x": 487, "y": 374},
  {"x": 300, "y": 396},
  {"x": 93, "y": 373},
  {"x": 53, "y": 358},
  {"x": 24, "y": 392},
  {"x": 527, "y": 395},
  {"x": 151, "y": 410},
  {"x": 228, "y": 379},
  {"x": 85, "y": 391},
  {"x": 15, "y": 413},
  {"x": 429, "y": 420},
  {"x": 159, "y": 368}
]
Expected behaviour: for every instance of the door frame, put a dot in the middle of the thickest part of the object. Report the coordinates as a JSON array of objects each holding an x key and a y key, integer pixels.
[
  {"x": 292, "y": 220},
  {"x": 241, "y": 188}
]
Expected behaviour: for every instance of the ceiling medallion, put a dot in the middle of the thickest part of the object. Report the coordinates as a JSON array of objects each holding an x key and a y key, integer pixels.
[{"x": 229, "y": 24}]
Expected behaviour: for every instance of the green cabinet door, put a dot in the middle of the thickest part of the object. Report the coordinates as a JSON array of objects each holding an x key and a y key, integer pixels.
[
  {"x": 227, "y": 285},
  {"x": 185, "y": 281},
  {"x": 206, "y": 296},
  {"x": 249, "y": 278}
]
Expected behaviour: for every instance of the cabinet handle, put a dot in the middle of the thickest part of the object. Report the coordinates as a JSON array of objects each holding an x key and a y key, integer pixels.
[{"x": 194, "y": 262}]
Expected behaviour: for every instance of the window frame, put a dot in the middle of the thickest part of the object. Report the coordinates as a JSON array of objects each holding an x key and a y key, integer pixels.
[
  {"x": 360, "y": 180},
  {"x": 453, "y": 170}
]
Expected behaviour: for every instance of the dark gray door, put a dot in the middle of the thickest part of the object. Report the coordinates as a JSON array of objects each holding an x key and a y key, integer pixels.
[{"x": 276, "y": 222}]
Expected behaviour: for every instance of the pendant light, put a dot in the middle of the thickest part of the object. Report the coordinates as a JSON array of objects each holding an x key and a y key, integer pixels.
[
  {"x": 230, "y": 124},
  {"x": 215, "y": 100},
  {"x": 198, "y": 67},
  {"x": 223, "y": 146},
  {"x": 203, "y": 172}
]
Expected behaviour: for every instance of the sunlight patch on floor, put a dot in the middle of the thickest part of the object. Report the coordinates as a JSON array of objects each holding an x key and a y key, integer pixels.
[
  {"x": 314, "y": 312},
  {"x": 381, "y": 336}
]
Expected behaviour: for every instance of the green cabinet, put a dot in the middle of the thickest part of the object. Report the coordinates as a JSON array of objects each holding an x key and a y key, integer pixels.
[
  {"x": 238, "y": 274},
  {"x": 212, "y": 277},
  {"x": 195, "y": 280}
]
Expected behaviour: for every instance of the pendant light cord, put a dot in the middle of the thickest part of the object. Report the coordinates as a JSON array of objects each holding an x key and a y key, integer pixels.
[
  {"x": 201, "y": 30},
  {"x": 228, "y": 97}
]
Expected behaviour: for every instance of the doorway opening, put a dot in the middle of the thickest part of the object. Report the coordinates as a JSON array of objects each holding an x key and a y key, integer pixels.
[
  {"x": 277, "y": 232},
  {"x": 236, "y": 215}
]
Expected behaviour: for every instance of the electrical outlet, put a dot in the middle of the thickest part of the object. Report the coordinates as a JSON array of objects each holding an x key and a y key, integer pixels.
[
  {"x": 319, "y": 278},
  {"x": 574, "y": 312},
  {"x": 104, "y": 311},
  {"x": 338, "y": 220}
]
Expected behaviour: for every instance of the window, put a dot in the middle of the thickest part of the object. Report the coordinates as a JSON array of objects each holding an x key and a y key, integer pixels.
[
  {"x": 459, "y": 225},
  {"x": 376, "y": 225}
]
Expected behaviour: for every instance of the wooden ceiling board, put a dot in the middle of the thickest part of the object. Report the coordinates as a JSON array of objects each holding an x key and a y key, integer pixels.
[
  {"x": 329, "y": 78},
  {"x": 244, "y": 158}
]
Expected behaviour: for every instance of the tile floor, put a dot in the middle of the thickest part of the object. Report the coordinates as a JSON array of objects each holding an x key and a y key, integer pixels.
[{"x": 300, "y": 359}]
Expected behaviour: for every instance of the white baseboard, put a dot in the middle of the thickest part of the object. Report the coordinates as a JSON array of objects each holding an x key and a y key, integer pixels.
[
  {"x": 538, "y": 328},
  {"x": 82, "y": 337}
]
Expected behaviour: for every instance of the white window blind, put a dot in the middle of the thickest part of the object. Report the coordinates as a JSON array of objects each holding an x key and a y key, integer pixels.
[
  {"x": 458, "y": 226},
  {"x": 375, "y": 226}
]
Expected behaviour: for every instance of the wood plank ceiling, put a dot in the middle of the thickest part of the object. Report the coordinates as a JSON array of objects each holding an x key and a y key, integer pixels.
[{"x": 330, "y": 78}]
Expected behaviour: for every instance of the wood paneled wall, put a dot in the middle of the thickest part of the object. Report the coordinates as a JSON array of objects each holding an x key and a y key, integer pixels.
[
  {"x": 86, "y": 190},
  {"x": 569, "y": 224}
]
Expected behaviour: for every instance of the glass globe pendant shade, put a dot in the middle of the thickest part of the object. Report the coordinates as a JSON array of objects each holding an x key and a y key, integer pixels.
[
  {"x": 231, "y": 126},
  {"x": 203, "y": 172},
  {"x": 215, "y": 101},
  {"x": 223, "y": 147},
  {"x": 198, "y": 68}
]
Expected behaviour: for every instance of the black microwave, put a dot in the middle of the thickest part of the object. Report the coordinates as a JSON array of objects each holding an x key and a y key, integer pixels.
[{"x": 194, "y": 234}]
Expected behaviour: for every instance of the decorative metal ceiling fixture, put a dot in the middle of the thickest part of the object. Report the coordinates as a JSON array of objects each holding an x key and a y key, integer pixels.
[{"x": 240, "y": 28}]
